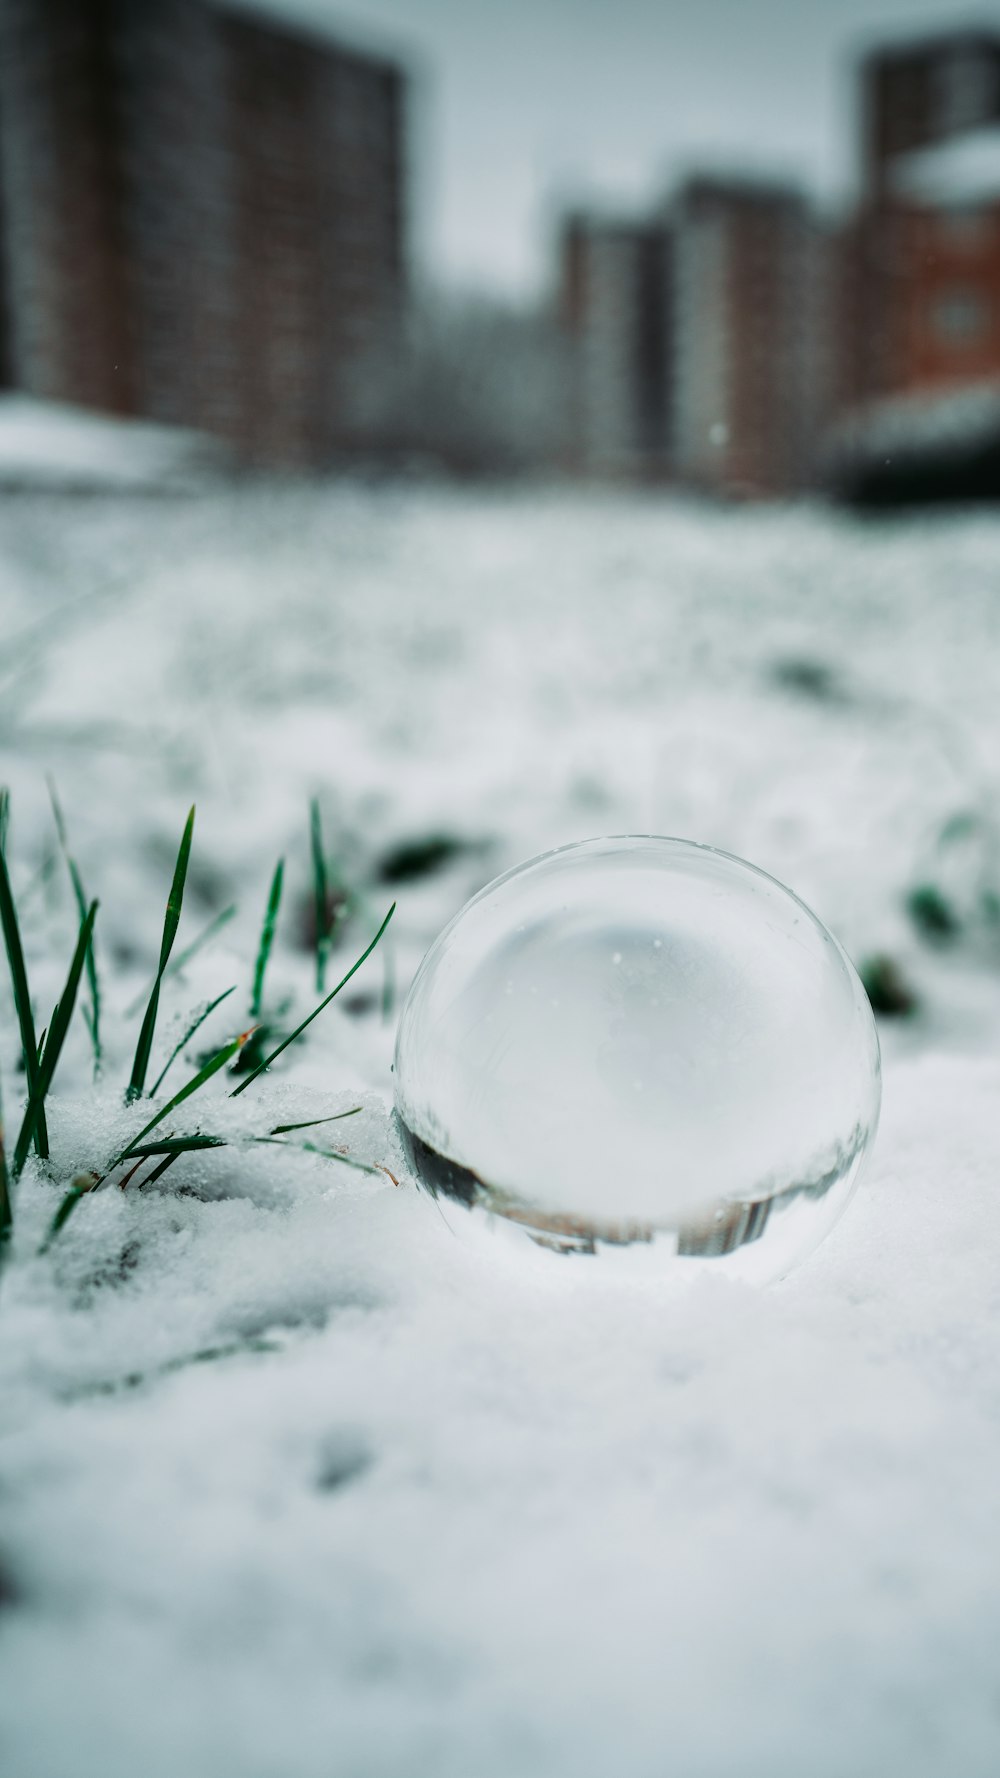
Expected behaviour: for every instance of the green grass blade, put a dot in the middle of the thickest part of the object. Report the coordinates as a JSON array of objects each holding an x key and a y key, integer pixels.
[
  {"x": 63, "y": 1214},
  {"x": 211, "y": 1067},
  {"x": 4, "y": 817},
  {"x": 176, "y": 897},
  {"x": 186, "y": 1039},
  {"x": 328, "y": 1154},
  {"x": 310, "y": 1123},
  {"x": 6, "y": 1207},
  {"x": 170, "y": 924},
  {"x": 93, "y": 1017},
  {"x": 266, "y": 938},
  {"x": 19, "y": 982},
  {"x": 54, "y": 1041},
  {"x": 316, "y": 1010},
  {"x": 176, "y": 1145},
  {"x": 321, "y": 894}
]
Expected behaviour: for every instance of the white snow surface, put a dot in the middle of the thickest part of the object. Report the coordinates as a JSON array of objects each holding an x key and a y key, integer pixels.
[
  {"x": 46, "y": 444},
  {"x": 292, "y": 1483},
  {"x": 959, "y": 173},
  {"x": 943, "y": 423}
]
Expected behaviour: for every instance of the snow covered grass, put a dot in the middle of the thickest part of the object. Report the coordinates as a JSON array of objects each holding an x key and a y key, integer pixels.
[
  {"x": 292, "y": 1482},
  {"x": 149, "y": 1140}
]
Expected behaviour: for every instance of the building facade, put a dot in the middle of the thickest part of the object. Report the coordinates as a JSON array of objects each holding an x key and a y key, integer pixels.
[
  {"x": 947, "y": 265},
  {"x": 202, "y": 219},
  {"x": 750, "y": 324},
  {"x": 919, "y": 267},
  {"x": 616, "y": 294},
  {"x": 919, "y": 93},
  {"x": 728, "y": 341}
]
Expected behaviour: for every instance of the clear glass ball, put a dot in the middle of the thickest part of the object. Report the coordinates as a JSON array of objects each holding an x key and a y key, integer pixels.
[{"x": 644, "y": 1050}]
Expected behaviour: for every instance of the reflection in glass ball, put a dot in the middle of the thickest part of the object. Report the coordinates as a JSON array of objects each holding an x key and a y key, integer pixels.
[{"x": 644, "y": 1049}]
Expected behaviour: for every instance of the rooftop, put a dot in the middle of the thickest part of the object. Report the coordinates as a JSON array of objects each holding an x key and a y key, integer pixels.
[{"x": 963, "y": 172}]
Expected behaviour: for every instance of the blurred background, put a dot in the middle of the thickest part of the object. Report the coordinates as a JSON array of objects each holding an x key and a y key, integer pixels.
[{"x": 745, "y": 249}]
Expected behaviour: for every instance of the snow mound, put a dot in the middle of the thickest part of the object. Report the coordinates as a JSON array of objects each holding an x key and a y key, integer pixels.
[{"x": 46, "y": 445}]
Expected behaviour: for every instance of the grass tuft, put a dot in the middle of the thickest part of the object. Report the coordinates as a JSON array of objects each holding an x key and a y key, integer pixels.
[
  {"x": 266, "y": 939},
  {"x": 48, "y": 1059},
  {"x": 932, "y": 914},
  {"x": 324, "y": 914},
  {"x": 265, "y": 1029},
  {"x": 134, "y": 1149},
  {"x": 887, "y": 987},
  {"x": 275, "y": 1053},
  {"x": 411, "y": 859},
  {"x": 170, "y": 924},
  {"x": 19, "y": 980},
  {"x": 92, "y": 1014},
  {"x": 41, "y": 1055},
  {"x": 212, "y": 1066}
]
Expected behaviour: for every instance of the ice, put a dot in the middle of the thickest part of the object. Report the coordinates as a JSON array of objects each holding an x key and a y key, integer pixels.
[{"x": 643, "y": 1048}]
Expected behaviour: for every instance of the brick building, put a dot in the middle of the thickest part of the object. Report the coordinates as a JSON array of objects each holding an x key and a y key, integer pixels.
[
  {"x": 615, "y": 305},
  {"x": 750, "y": 326},
  {"x": 917, "y": 94},
  {"x": 699, "y": 339},
  {"x": 947, "y": 264},
  {"x": 720, "y": 343},
  {"x": 202, "y": 219},
  {"x": 920, "y": 258}
]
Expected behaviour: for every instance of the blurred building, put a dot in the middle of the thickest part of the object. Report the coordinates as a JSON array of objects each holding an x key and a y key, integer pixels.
[
  {"x": 923, "y": 92},
  {"x": 700, "y": 339},
  {"x": 725, "y": 343},
  {"x": 920, "y": 258},
  {"x": 750, "y": 331},
  {"x": 946, "y": 263},
  {"x": 616, "y": 298},
  {"x": 202, "y": 219}
]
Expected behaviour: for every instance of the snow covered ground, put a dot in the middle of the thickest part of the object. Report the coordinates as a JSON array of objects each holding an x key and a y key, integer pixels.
[
  {"x": 293, "y": 1484},
  {"x": 46, "y": 445}
]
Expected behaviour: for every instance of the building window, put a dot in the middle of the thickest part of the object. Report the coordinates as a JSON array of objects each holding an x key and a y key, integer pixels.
[{"x": 960, "y": 317}]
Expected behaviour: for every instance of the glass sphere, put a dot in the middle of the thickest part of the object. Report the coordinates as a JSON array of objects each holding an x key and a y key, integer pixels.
[{"x": 642, "y": 1049}]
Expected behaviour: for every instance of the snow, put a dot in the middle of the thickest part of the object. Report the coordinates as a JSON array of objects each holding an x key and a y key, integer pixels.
[
  {"x": 292, "y": 1481},
  {"x": 963, "y": 173},
  {"x": 946, "y": 422},
  {"x": 44, "y": 444}
]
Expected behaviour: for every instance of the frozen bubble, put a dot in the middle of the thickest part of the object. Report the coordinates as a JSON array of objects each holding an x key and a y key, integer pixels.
[{"x": 644, "y": 1049}]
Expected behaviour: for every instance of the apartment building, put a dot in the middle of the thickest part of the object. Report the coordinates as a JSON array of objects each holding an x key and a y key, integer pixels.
[
  {"x": 920, "y": 257},
  {"x": 750, "y": 323},
  {"x": 616, "y": 293},
  {"x": 921, "y": 92},
  {"x": 202, "y": 217}
]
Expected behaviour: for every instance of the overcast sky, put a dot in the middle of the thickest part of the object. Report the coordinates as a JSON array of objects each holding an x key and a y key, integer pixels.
[{"x": 521, "y": 104}]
